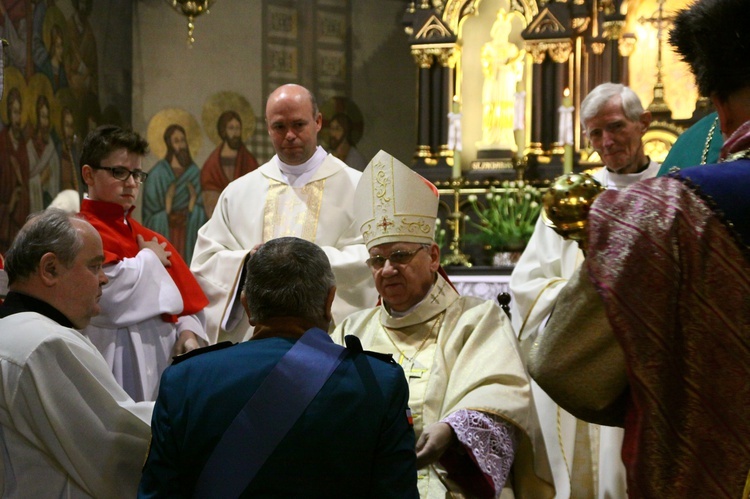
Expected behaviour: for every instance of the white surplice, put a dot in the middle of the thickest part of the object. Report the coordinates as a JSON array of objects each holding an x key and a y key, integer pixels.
[
  {"x": 130, "y": 332},
  {"x": 67, "y": 429}
]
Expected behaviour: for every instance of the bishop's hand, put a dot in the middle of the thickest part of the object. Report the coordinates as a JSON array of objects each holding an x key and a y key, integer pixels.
[{"x": 432, "y": 444}]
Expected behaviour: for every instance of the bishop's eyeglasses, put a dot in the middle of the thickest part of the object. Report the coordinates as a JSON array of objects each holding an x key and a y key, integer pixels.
[
  {"x": 398, "y": 257},
  {"x": 122, "y": 173}
]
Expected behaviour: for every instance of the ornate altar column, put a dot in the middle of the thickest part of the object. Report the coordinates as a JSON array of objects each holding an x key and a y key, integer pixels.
[
  {"x": 436, "y": 65},
  {"x": 563, "y": 77},
  {"x": 443, "y": 98},
  {"x": 536, "y": 146},
  {"x": 551, "y": 75},
  {"x": 424, "y": 62},
  {"x": 434, "y": 49}
]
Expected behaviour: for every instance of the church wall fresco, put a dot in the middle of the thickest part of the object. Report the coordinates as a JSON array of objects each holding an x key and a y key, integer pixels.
[
  {"x": 133, "y": 63},
  {"x": 58, "y": 85}
]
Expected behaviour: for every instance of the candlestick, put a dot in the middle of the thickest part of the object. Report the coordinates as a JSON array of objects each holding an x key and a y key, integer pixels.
[
  {"x": 456, "y": 172},
  {"x": 456, "y": 256},
  {"x": 519, "y": 120}
]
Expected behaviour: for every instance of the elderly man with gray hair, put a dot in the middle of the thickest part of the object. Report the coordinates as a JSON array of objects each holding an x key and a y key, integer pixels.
[
  {"x": 287, "y": 413},
  {"x": 67, "y": 428},
  {"x": 478, "y": 434},
  {"x": 585, "y": 458},
  {"x": 653, "y": 331}
]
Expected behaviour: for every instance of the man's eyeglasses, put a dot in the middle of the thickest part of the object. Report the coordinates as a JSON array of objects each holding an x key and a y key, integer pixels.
[
  {"x": 122, "y": 173},
  {"x": 398, "y": 257}
]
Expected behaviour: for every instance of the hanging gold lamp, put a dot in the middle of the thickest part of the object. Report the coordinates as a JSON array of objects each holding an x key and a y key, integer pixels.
[{"x": 191, "y": 9}]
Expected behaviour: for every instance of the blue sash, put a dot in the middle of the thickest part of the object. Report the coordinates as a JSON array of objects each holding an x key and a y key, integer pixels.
[
  {"x": 268, "y": 416},
  {"x": 726, "y": 184}
]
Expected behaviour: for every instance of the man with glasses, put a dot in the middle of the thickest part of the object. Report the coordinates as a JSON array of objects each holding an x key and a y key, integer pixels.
[
  {"x": 152, "y": 307},
  {"x": 468, "y": 389}
]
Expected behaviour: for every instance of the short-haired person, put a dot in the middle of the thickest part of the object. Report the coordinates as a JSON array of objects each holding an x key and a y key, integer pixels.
[
  {"x": 303, "y": 192},
  {"x": 229, "y": 421},
  {"x": 468, "y": 388},
  {"x": 67, "y": 428},
  {"x": 152, "y": 307},
  {"x": 585, "y": 458},
  {"x": 653, "y": 331}
]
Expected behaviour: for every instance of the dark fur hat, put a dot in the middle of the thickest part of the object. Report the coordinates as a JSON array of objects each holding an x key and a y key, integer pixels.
[{"x": 713, "y": 37}]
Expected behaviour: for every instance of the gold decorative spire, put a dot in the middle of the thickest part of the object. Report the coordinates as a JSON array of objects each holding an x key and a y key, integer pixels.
[{"x": 658, "y": 105}]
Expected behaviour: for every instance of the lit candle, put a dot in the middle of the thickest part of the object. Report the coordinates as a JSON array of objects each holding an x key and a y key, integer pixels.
[
  {"x": 454, "y": 137},
  {"x": 566, "y": 130}
]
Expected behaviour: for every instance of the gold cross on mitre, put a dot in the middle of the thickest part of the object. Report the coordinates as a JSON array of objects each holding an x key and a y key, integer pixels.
[{"x": 385, "y": 224}]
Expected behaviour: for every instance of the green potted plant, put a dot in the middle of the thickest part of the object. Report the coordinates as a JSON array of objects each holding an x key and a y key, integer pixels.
[{"x": 505, "y": 220}]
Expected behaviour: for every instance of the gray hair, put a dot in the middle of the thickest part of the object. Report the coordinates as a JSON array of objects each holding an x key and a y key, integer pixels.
[
  {"x": 288, "y": 276},
  {"x": 602, "y": 94},
  {"x": 49, "y": 231}
]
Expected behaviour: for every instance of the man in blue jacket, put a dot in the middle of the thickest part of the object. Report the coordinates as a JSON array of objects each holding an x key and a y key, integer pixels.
[{"x": 287, "y": 413}]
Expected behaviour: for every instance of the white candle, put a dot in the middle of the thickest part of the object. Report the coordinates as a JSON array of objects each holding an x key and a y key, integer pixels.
[
  {"x": 454, "y": 137},
  {"x": 566, "y": 130}
]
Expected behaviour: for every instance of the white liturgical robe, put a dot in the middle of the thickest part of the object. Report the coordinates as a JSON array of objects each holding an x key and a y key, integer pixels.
[
  {"x": 585, "y": 458},
  {"x": 67, "y": 429},
  {"x": 262, "y": 205},
  {"x": 463, "y": 357},
  {"x": 130, "y": 332}
]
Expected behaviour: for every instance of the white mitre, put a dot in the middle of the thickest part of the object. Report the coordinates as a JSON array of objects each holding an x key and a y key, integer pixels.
[{"x": 394, "y": 204}]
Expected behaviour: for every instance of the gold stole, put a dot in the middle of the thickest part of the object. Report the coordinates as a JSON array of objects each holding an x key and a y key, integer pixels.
[{"x": 292, "y": 211}]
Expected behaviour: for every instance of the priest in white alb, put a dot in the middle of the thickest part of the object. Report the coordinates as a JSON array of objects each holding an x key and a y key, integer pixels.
[
  {"x": 585, "y": 458},
  {"x": 301, "y": 192},
  {"x": 469, "y": 393}
]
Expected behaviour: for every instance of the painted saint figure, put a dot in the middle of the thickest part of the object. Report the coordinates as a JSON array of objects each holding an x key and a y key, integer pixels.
[
  {"x": 341, "y": 143},
  {"x": 230, "y": 160},
  {"x": 14, "y": 172},
  {"x": 44, "y": 164},
  {"x": 172, "y": 203}
]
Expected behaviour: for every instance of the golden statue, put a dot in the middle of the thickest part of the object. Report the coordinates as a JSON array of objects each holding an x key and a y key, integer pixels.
[{"x": 502, "y": 66}]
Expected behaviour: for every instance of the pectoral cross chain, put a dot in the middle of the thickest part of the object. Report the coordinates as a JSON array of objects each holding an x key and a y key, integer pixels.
[{"x": 411, "y": 371}]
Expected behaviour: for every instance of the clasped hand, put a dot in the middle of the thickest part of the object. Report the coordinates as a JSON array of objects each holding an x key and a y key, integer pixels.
[{"x": 160, "y": 249}]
